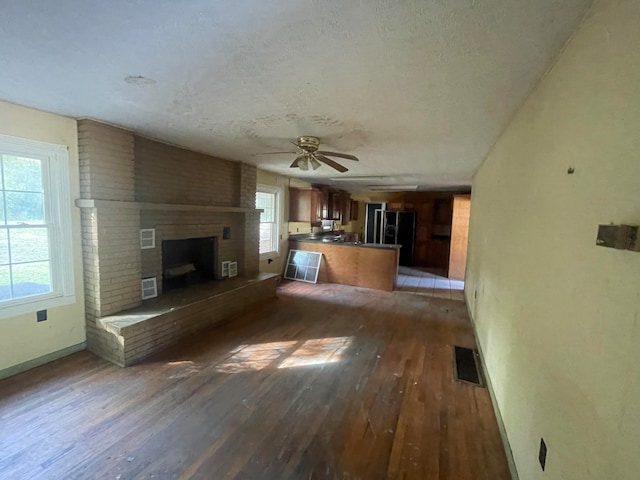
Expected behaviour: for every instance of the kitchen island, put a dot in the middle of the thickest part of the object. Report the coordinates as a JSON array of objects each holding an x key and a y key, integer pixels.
[{"x": 362, "y": 265}]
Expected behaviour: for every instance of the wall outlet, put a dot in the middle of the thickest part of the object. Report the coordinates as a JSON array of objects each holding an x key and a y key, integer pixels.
[
  {"x": 41, "y": 315},
  {"x": 542, "y": 454}
]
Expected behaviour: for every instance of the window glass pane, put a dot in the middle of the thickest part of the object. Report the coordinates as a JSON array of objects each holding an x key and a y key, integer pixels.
[
  {"x": 266, "y": 201},
  {"x": 2, "y": 222},
  {"x": 24, "y": 208},
  {"x": 4, "y": 247},
  {"x": 24, "y": 174},
  {"x": 262, "y": 200},
  {"x": 5, "y": 285},
  {"x": 31, "y": 279},
  {"x": 266, "y": 237},
  {"x": 29, "y": 244}
]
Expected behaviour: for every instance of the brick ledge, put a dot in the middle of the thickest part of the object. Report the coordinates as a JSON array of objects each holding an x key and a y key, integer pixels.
[{"x": 95, "y": 203}]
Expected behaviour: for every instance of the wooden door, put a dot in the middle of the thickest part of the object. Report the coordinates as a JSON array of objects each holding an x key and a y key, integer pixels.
[{"x": 459, "y": 236}]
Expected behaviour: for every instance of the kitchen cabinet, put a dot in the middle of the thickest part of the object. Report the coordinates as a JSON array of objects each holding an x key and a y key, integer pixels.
[
  {"x": 305, "y": 204},
  {"x": 354, "y": 209},
  {"x": 333, "y": 203}
]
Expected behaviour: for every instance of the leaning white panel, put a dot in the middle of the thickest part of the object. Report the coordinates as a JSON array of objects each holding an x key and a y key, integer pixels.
[{"x": 303, "y": 266}]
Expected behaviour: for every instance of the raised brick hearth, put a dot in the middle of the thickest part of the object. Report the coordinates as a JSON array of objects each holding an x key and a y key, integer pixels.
[
  {"x": 157, "y": 323},
  {"x": 129, "y": 183}
]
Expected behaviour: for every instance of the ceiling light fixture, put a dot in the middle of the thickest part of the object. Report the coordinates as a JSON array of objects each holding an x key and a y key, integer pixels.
[
  {"x": 303, "y": 164},
  {"x": 357, "y": 179},
  {"x": 315, "y": 164},
  {"x": 393, "y": 188},
  {"x": 139, "y": 80}
]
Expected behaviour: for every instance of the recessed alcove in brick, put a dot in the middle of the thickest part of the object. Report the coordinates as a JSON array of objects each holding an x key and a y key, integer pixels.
[{"x": 128, "y": 183}]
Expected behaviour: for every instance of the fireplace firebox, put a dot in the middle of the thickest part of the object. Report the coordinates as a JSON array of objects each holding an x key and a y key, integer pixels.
[{"x": 188, "y": 261}]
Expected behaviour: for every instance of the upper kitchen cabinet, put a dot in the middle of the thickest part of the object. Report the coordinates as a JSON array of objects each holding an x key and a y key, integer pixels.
[
  {"x": 319, "y": 203},
  {"x": 354, "y": 209},
  {"x": 305, "y": 204}
]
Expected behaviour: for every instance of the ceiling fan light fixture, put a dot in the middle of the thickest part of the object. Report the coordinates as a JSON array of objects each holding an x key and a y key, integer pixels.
[
  {"x": 308, "y": 154},
  {"x": 303, "y": 163},
  {"x": 315, "y": 164}
]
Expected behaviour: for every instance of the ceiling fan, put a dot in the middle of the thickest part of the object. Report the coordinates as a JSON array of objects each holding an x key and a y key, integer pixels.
[{"x": 308, "y": 154}]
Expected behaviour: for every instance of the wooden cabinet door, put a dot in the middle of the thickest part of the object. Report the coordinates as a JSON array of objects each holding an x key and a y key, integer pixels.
[
  {"x": 354, "y": 210},
  {"x": 334, "y": 205},
  {"x": 317, "y": 205},
  {"x": 345, "y": 204}
]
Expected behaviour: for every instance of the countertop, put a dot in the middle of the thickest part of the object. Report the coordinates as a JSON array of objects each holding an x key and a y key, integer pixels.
[{"x": 306, "y": 239}]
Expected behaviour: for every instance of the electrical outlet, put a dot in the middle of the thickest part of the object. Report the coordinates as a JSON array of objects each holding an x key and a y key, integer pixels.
[
  {"x": 41, "y": 315},
  {"x": 542, "y": 454}
]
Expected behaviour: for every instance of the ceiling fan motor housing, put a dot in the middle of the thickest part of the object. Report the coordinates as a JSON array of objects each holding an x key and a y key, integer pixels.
[{"x": 309, "y": 144}]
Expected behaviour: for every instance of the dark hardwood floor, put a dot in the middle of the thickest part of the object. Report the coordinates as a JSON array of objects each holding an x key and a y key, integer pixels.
[{"x": 326, "y": 382}]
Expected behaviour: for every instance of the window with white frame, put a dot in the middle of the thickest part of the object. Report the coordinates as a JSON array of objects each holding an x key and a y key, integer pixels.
[
  {"x": 268, "y": 200},
  {"x": 36, "y": 268}
]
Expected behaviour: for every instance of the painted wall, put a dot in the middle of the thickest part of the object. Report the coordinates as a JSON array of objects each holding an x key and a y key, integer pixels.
[
  {"x": 22, "y": 339},
  {"x": 557, "y": 317}
]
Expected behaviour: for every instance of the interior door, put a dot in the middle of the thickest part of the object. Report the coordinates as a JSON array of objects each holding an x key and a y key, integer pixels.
[{"x": 373, "y": 223}]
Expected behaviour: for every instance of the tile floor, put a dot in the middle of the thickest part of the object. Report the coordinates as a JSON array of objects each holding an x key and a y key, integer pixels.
[{"x": 423, "y": 282}]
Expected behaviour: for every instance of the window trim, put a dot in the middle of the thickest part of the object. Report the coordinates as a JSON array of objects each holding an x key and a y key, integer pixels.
[
  {"x": 277, "y": 191},
  {"x": 56, "y": 186}
]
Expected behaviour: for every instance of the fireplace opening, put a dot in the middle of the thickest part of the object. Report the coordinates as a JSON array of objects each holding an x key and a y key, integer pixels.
[{"x": 187, "y": 262}]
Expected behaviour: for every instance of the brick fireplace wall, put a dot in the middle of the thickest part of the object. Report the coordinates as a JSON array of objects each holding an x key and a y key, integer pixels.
[{"x": 128, "y": 183}]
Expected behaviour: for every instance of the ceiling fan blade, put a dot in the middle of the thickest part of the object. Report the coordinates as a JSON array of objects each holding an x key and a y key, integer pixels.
[
  {"x": 340, "y": 155},
  {"x": 303, "y": 163},
  {"x": 295, "y": 162},
  {"x": 331, "y": 163},
  {"x": 273, "y": 153}
]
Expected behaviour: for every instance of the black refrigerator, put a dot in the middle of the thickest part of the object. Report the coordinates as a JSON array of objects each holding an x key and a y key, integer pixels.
[{"x": 399, "y": 228}]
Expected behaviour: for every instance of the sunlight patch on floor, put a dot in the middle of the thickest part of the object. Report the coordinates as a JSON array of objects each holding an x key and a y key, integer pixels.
[
  {"x": 255, "y": 357},
  {"x": 317, "y": 351}
]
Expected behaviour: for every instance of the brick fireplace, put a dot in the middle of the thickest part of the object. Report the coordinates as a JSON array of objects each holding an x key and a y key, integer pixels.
[{"x": 129, "y": 183}]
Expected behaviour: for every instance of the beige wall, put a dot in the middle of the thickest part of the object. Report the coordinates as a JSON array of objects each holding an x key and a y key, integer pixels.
[
  {"x": 557, "y": 317},
  {"x": 22, "y": 339}
]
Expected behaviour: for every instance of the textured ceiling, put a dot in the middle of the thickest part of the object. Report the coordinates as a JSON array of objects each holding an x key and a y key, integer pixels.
[{"x": 418, "y": 90}]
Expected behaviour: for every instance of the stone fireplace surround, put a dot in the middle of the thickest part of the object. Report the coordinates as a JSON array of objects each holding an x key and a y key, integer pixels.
[{"x": 129, "y": 183}]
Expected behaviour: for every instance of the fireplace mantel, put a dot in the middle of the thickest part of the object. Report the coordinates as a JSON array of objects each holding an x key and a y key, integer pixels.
[{"x": 98, "y": 204}]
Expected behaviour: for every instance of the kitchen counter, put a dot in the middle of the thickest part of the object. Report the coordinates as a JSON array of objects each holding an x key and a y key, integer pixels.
[
  {"x": 344, "y": 244},
  {"x": 366, "y": 265}
]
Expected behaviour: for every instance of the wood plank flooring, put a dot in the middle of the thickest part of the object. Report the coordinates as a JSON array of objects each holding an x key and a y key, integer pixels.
[{"x": 326, "y": 382}]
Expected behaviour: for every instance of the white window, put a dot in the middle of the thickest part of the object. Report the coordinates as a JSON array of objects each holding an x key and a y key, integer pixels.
[
  {"x": 268, "y": 199},
  {"x": 36, "y": 268}
]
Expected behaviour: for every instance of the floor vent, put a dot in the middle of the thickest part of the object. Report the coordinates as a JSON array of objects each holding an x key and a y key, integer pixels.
[{"x": 466, "y": 365}]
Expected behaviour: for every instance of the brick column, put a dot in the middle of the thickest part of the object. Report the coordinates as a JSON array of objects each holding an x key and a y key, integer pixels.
[
  {"x": 111, "y": 248},
  {"x": 251, "y": 259}
]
